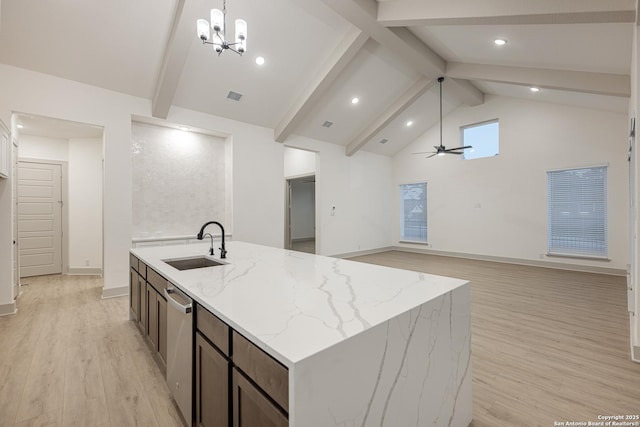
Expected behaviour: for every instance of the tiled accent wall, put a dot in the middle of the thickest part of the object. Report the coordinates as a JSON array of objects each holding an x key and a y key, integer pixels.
[{"x": 179, "y": 181}]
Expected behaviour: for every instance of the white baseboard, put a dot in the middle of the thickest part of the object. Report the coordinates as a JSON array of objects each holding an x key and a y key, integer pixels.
[
  {"x": 115, "y": 292},
  {"x": 8, "y": 309},
  {"x": 84, "y": 271},
  {"x": 365, "y": 252},
  {"x": 518, "y": 261}
]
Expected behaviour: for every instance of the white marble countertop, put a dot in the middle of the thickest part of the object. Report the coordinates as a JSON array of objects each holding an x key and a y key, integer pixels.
[{"x": 292, "y": 304}]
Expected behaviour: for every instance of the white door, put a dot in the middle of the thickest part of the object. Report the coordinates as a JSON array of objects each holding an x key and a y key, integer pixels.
[{"x": 39, "y": 218}]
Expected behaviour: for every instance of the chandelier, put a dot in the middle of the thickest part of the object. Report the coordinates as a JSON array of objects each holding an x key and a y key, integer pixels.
[{"x": 219, "y": 39}]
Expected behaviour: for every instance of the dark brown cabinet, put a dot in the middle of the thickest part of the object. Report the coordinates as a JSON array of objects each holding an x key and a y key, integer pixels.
[
  {"x": 156, "y": 328},
  {"x": 134, "y": 292},
  {"x": 149, "y": 307},
  {"x": 212, "y": 385},
  {"x": 236, "y": 382},
  {"x": 251, "y": 407}
]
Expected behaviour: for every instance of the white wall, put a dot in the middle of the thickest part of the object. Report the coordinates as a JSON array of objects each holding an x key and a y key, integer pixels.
[
  {"x": 359, "y": 187},
  {"x": 85, "y": 204},
  {"x": 43, "y": 148},
  {"x": 497, "y": 206},
  {"x": 298, "y": 162}
]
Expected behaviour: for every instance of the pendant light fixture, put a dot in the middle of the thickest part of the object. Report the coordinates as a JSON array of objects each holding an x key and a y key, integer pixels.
[{"x": 219, "y": 39}]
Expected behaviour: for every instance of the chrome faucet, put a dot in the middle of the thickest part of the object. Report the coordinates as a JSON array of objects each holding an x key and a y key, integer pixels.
[{"x": 200, "y": 236}]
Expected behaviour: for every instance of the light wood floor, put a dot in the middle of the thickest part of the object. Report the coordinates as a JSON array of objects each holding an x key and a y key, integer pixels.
[
  {"x": 69, "y": 358},
  {"x": 548, "y": 345}
]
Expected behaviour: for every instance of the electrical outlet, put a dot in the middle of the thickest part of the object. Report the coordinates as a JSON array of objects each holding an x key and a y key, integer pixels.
[{"x": 86, "y": 263}]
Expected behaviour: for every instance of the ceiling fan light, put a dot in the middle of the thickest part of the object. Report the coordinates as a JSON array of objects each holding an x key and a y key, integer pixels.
[
  {"x": 203, "y": 29},
  {"x": 441, "y": 153},
  {"x": 217, "y": 20}
]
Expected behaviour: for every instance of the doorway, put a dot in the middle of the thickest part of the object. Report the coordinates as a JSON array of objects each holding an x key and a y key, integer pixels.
[
  {"x": 59, "y": 212},
  {"x": 301, "y": 214}
]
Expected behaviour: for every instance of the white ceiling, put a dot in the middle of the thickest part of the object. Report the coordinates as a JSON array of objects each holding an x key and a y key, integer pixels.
[{"x": 321, "y": 53}]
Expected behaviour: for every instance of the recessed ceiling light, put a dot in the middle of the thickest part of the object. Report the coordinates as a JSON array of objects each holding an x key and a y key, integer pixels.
[
  {"x": 500, "y": 42},
  {"x": 409, "y": 123},
  {"x": 260, "y": 60},
  {"x": 534, "y": 89},
  {"x": 327, "y": 124},
  {"x": 355, "y": 100},
  {"x": 384, "y": 141},
  {"x": 20, "y": 126}
]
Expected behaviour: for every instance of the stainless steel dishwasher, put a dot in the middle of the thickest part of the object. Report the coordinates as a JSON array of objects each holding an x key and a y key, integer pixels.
[{"x": 179, "y": 349}]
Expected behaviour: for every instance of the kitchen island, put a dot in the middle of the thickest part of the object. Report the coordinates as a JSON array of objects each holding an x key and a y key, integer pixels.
[{"x": 360, "y": 344}]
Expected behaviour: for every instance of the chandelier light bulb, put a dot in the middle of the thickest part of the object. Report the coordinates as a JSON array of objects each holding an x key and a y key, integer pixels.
[
  {"x": 203, "y": 29},
  {"x": 217, "y": 20},
  {"x": 241, "y": 35}
]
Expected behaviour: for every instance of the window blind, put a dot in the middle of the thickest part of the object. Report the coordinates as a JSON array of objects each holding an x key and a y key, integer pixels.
[
  {"x": 413, "y": 212},
  {"x": 577, "y": 211}
]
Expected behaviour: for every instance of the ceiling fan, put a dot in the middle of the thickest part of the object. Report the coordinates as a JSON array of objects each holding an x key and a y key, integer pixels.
[{"x": 441, "y": 149}]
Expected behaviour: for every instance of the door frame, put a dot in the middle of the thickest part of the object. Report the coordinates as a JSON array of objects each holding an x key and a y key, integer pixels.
[
  {"x": 64, "y": 238},
  {"x": 287, "y": 209}
]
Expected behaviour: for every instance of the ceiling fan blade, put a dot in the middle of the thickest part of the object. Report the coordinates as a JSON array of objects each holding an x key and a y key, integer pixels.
[
  {"x": 459, "y": 148},
  {"x": 452, "y": 152},
  {"x": 434, "y": 154}
]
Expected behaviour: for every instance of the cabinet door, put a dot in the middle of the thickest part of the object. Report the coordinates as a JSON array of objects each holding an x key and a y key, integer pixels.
[
  {"x": 162, "y": 328},
  {"x": 134, "y": 293},
  {"x": 152, "y": 316},
  {"x": 251, "y": 407},
  {"x": 212, "y": 386},
  {"x": 143, "y": 305}
]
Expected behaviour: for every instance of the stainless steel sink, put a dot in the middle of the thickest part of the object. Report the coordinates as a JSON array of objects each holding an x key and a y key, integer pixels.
[{"x": 191, "y": 263}]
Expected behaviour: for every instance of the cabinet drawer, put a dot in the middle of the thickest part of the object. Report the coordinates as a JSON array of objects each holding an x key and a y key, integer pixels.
[
  {"x": 157, "y": 281},
  {"x": 134, "y": 262},
  {"x": 213, "y": 328},
  {"x": 263, "y": 369}
]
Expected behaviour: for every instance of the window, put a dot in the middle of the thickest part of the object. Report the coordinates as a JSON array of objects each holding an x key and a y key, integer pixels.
[
  {"x": 577, "y": 209},
  {"x": 413, "y": 212},
  {"x": 482, "y": 137}
]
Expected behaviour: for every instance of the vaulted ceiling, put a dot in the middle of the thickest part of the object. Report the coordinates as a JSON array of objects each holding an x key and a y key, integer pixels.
[{"x": 321, "y": 53}]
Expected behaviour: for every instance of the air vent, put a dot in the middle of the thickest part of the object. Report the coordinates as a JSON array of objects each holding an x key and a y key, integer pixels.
[
  {"x": 384, "y": 141},
  {"x": 327, "y": 124},
  {"x": 235, "y": 96}
]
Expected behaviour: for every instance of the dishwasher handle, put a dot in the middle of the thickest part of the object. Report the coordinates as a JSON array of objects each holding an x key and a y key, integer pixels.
[{"x": 183, "y": 308}]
